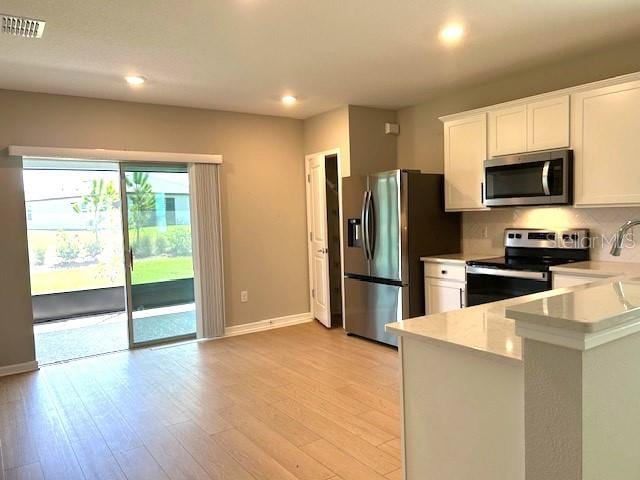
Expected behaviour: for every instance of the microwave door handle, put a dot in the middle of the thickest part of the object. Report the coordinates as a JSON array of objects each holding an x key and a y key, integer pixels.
[{"x": 545, "y": 178}]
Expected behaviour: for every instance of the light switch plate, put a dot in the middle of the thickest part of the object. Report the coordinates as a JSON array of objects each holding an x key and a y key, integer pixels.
[{"x": 244, "y": 296}]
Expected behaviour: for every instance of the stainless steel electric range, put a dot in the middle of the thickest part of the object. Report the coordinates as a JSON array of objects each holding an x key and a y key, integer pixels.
[{"x": 524, "y": 269}]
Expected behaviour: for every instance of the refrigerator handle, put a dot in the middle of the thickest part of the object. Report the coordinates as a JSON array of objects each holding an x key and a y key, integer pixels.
[
  {"x": 364, "y": 223},
  {"x": 371, "y": 224}
]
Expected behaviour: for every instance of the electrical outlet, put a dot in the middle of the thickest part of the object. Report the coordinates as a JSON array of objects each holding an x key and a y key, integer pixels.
[
  {"x": 484, "y": 232},
  {"x": 244, "y": 296}
]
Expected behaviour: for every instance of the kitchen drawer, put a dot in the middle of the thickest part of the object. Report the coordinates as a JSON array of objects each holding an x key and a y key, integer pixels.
[{"x": 445, "y": 271}]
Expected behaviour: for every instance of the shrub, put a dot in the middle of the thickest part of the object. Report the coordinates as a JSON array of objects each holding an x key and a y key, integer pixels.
[
  {"x": 93, "y": 248},
  {"x": 67, "y": 247},
  {"x": 161, "y": 245},
  {"x": 179, "y": 241},
  {"x": 40, "y": 255},
  {"x": 143, "y": 248}
]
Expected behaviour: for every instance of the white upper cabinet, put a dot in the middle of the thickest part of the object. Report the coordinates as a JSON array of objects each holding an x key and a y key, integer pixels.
[
  {"x": 508, "y": 130},
  {"x": 465, "y": 150},
  {"x": 600, "y": 122},
  {"x": 605, "y": 133},
  {"x": 548, "y": 124},
  {"x": 528, "y": 127}
]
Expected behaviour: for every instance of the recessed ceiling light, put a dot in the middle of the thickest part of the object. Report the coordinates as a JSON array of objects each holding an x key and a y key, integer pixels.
[
  {"x": 289, "y": 99},
  {"x": 134, "y": 79},
  {"x": 451, "y": 33}
]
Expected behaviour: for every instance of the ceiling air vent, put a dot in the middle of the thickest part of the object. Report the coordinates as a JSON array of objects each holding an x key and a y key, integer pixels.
[{"x": 22, "y": 27}]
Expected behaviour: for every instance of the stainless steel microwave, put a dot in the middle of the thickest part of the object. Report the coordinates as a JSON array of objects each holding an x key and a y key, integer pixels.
[{"x": 542, "y": 178}]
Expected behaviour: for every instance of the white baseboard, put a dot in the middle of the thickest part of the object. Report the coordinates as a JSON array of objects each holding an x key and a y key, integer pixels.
[
  {"x": 268, "y": 324},
  {"x": 18, "y": 368}
]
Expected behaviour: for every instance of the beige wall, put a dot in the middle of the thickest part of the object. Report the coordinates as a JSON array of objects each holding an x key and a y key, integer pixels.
[
  {"x": 371, "y": 150},
  {"x": 16, "y": 333},
  {"x": 262, "y": 189},
  {"x": 328, "y": 131},
  {"x": 359, "y": 134},
  {"x": 420, "y": 144}
]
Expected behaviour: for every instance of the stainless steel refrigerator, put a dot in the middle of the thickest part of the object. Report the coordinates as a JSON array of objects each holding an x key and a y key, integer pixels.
[{"x": 391, "y": 220}]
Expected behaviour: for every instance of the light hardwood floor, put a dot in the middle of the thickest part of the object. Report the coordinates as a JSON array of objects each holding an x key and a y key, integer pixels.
[{"x": 299, "y": 402}]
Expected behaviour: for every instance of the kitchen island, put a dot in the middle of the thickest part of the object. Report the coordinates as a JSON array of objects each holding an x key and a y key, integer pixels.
[
  {"x": 474, "y": 408},
  {"x": 463, "y": 394}
]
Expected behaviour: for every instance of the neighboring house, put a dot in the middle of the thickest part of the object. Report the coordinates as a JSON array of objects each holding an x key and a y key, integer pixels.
[
  {"x": 52, "y": 208},
  {"x": 170, "y": 209}
]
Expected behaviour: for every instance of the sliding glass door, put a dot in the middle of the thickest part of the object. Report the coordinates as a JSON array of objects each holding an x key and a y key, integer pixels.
[{"x": 158, "y": 253}]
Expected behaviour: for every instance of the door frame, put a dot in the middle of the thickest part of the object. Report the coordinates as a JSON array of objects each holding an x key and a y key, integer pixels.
[
  {"x": 307, "y": 158},
  {"x": 124, "y": 213}
]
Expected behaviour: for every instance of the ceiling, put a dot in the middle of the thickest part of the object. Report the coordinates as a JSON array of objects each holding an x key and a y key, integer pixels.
[{"x": 242, "y": 55}]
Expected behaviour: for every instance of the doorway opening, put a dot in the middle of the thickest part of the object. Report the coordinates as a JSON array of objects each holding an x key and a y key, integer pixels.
[
  {"x": 333, "y": 229},
  {"x": 89, "y": 298},
  {"x": 324, "y": 229}
]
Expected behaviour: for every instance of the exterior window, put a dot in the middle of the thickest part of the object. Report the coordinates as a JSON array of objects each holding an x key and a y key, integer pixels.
[{"x": 170, "y": 210}]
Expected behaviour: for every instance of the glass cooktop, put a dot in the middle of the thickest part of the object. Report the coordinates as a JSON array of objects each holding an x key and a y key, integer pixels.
[{"x": 532, "y": 264}]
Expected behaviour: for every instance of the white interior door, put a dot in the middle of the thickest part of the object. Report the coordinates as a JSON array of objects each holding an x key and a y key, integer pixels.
[{"x": 318, "y": 242}]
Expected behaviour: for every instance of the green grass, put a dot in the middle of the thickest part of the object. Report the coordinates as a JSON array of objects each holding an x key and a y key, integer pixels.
[
  {"x": 146, "y": 270},
  {"x": 158, "y": 269}
]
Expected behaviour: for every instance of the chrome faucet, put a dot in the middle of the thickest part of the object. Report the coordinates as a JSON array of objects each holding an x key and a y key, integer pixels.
[{"x": 617, "y": 244}]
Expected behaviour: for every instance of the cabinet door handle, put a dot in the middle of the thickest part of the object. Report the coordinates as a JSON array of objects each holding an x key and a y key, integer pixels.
[
  {"x": 443, "y": 272},
  {"x": 482, "y": 193},
  {"x": 462, "y": 298}
]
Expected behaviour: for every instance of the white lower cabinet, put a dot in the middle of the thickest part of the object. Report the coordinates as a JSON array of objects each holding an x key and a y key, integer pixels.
[
  {"x": 443, "y": 295},
  {"x": 444, "y": 287}
]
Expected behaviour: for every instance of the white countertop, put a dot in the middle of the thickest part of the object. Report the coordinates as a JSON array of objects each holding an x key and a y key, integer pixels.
[
  {"x": 596, "y": 307},
  {"x": 482, "y": 328},
  {"x": 457, "y": 257},
  {"x": 490, "y": 328},
  {"x": 596, "y": 268},
  {"x": 487, "y": 329}
]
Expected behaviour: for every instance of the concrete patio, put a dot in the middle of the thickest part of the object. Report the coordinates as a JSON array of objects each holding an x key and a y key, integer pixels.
[{"x": 88, "y": 336}]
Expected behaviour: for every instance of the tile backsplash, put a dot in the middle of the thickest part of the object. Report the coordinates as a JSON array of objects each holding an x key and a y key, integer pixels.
[{"x": 603, "y": 223}]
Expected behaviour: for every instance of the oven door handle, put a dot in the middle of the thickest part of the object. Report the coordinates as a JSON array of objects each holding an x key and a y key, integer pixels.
[
  {"x": 498, "y": 272},
  {"x": 545, "y": 178}
]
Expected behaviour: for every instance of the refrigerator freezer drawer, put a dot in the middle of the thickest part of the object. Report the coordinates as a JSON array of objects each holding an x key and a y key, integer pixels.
[{"x": 370, "y": 306}]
